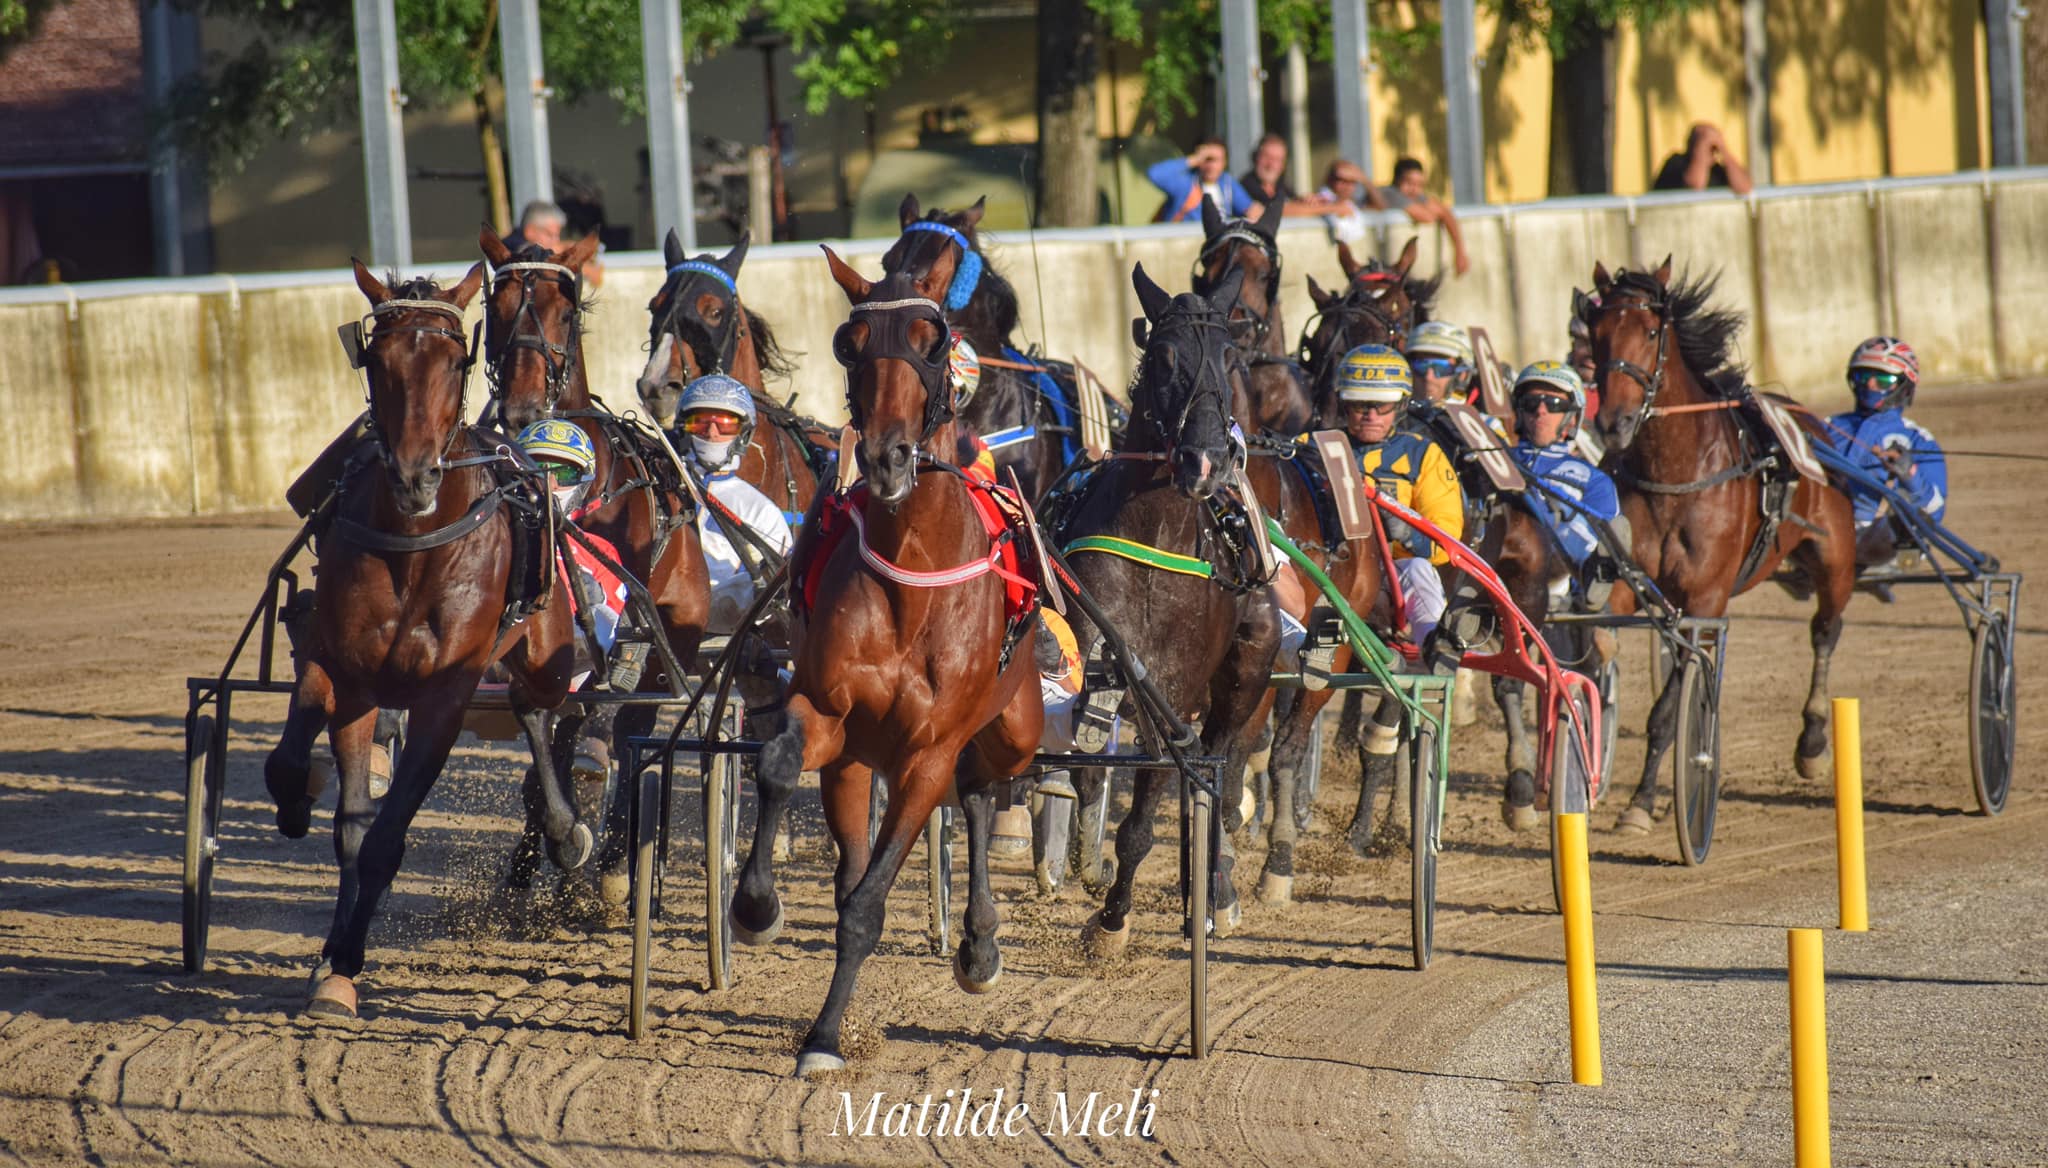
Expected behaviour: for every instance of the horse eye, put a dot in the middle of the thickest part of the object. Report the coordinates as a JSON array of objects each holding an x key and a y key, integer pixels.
[
  {"x": 714, "y": 314},
  {"x": 843, "y": 346}
]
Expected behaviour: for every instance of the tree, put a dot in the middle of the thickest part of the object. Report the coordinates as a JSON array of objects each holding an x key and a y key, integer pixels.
[
  {"x": 1069, "y": 61},
  {"x": 19, "y": 20}
]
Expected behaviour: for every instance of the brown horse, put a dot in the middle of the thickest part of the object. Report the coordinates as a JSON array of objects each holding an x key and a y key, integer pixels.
[
  {"x": 1691, "y": 485},
  {"x": 415, "y": 598},
  {"x": 1280, "y": 400},
  {"x": 1379, "y": 305},
  {"x": 533, "y": 348},
  {"x": 893, "y": 673},
  {"x": 699, "y": 326},
  {"x": 1007, "y": 411}
]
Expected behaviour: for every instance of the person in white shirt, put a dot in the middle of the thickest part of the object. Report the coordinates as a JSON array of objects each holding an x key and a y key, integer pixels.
[{"x": 717, "y": 417}]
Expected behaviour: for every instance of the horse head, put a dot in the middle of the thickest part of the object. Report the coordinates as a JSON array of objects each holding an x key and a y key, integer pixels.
[
  {"x": 894, "y": 345},
  {"x": 416, "y": 361},
  {"x": 1250, "y": 246},
  {"x": 533, "y": 328},
  {"x": 696, "y": 323},
  {"x": 1630, "y": 333},
  {"x": 1186, "y": 396},
  {"x": 940, "y": 251},
  {"x": 1378, "y": 306}
]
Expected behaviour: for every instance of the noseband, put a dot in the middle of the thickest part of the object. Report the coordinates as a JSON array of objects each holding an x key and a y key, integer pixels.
[
  {"x": 1652, "y": 379},
  {"x": 725, "y": 339},
  {"x": 560, "y": 360},
  {"x": 889, "y": 324}
]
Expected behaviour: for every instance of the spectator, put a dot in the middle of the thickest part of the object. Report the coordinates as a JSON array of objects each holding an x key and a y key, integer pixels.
[
  {"x": 1186, "y": 180},
  {"x": 1407, "y": 194},
  {"x": 1707, "y": 162},
  {"x": 1344, "y": 186},
  {"x": 541, "y": 224},
  {"x": 1266, "y": 181}
]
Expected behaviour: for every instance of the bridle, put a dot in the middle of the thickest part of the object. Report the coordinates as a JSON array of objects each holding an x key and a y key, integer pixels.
[
  {"x": 1354, "y": 307},
  {"x": 725, "y": 340},
  {"x": 1209, "y": 371},
  {"x": 1652, "y": 379},
  {"x": 357, "y": 342},
  {"x": 1237, "y": 232},
  {"x": 560, "y": 360},
  {"x": 888, "y": 338}
]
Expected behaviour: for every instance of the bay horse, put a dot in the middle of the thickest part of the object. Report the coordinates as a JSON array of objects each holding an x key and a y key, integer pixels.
[
  {"x": 1181, "y": 593},
  {"x": 901, "y": 662},
  {"x": 698, "y": 325},
  {"x": 1690, "y": 485},
  {"x": 415, "y": 598},
  {"x": 1279, "y": 394},
  {"x": 941, "y": 252},
  {"x": 639, "y": 502}
]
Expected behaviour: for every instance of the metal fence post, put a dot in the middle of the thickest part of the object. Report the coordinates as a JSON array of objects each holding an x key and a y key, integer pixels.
[
  {"x": 1461, "y": 101},
  {"x": 668, "y": 120},
  {"x": 383, "y": 132},
  {"x": 526, "y": 105},
  {"x": 1351, "y": 64}
]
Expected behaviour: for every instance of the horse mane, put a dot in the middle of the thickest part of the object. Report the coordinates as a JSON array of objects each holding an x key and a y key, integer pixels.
[
  {"x": 417, "y": 288},
  {"x": 533, "y": 253},
  {"x": 767, "y": 350},
  {"x": 1706, "y": 336}
]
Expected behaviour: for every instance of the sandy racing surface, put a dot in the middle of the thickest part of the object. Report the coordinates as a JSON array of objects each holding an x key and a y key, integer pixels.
[{"x": 492, "y": 1022}]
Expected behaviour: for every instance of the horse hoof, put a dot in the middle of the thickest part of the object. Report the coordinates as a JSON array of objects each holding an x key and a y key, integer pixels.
[
  {"x": 295, "y": 819},
  {"x": 1634, "y": 821},
  {"x": 334, "y": 996},
  {"x": 968, "y": 982},
  {"x": 615, "y": 887},
  {"x": 1522, "y": 817},
  {"x": 818, "y": 1062},
  {"x": 1820, "y": 766},
  {"x": 1104, "y": 943},
  {"x": 781, "y": 851},
  {"x": 572, "y": 853},
  {"x": 1048, "y": 878},
  {"x": 1276, "y": 889},
  {"x": 1225, "y": 921},
  {"x": 380, "y": 770},
  {"x": 291, "y": 788},
  {"x": 764, "y": 936},
  {"x": 319, "y": 773}
]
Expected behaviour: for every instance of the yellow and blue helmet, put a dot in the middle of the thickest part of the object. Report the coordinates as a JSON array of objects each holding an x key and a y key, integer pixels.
[
  {"x": 559, "y": 441},
  {"x": 1556, "y": 377},
  {"x": 1373, "y": 373}
]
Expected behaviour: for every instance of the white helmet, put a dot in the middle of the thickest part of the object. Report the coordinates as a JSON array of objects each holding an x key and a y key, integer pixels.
[
  {"x": 1556, "y": 376},
  {"x": 1441, "y": 338},
  {"x": 717, "y": 391}
]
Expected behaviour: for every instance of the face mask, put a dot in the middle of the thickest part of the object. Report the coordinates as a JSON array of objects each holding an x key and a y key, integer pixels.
[
  {"x": 568, "y": 498},
  {"x": 711, "y": 454}
]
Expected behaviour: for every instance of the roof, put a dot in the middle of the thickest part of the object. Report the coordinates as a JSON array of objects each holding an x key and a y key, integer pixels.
[{"x": 73, "y": 94}]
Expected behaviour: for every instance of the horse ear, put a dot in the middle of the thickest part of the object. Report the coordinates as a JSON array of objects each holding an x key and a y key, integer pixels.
[
  {"x": 1407, "y": 259},
  {"x": 1269, "y": 219},
  {"x": 493, "y": 247},
  {"x": 1151, "y": 297},
  {"x": 1664, "y": 272},
  {"x": 908, "y": 211},
  {"x": 672, "y": 249},
  {"x": 732, "y": 260},
  {"x": 1212, "y": 219},
  {"x": 1315, "y": 292},
  {"x": 371, "y": 286},
  {"x": 578, "y": 254},
  {"x": 851, "y": 282},
  {"x": 1225, "y": 294},
  {"x": 1601, "y": 280},
  {"x": 466, "y": 291},
  {"x": 1347, "y": 261},
  {"x": 972, "y": 215}
]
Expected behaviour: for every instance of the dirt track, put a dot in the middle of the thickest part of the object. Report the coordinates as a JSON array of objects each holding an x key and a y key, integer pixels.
[{"x": 492, "y": 1031}]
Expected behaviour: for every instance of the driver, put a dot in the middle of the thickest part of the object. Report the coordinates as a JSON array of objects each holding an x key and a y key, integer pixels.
[
  {"x": 1440, "y": 361},
  {"x": 1878, "y": 437},
  {"x": 1550, "y": 404},
  {"x": 717, "y": 416}
]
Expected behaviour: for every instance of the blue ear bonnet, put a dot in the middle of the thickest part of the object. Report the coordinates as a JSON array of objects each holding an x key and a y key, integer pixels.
[
  {"x": 967, "y": 275},
  {"x": 706, "y": 268}
]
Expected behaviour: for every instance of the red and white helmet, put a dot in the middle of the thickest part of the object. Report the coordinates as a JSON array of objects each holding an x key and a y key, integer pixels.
[{"x": 1887, "y": 355}]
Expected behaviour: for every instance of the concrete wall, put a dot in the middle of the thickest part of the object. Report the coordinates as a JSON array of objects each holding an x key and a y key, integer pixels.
[{"x": 207, "y": 395}]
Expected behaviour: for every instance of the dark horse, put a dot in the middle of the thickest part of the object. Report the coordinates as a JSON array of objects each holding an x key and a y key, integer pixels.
[
  {"x": 895, "y": 671},
  {"x": 415, "y": 598},
  {"x": 533, "y": 348},
  {"x": 1008, "y": 411},
  {"x": 700, "y": 326},
  {"x": 1279, "y": 394},
  {"x": 1691, "y": 485},
  {"x": 1205, "y": 627},
  {"x": 1380, "y": 305}
]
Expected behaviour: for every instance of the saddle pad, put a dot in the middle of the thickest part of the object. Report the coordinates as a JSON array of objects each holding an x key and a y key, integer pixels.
[
  {"x": 1486, "y": 447},
  {"x": 1345, "y": 488},
  {"x": 1791, "y": 436},
  {"x": 1493, "y": 387}
]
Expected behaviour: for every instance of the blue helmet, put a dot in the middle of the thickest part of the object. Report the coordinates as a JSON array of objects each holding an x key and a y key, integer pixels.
[
  {"x": 716, "y": 391},
  {"x": 555, "y": 440}
]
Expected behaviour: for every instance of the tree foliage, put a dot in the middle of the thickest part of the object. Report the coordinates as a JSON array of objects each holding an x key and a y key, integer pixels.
[
  {"x": 19, "y": 20},
  {"x": 1563, "y": 25}
]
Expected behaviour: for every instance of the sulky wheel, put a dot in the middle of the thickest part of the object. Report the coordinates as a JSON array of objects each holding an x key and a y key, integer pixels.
[
  {"x": 1608, "y": 679},
  {"x": 721, "y": 862},
  {"x": 645, "y": 822},
  {"x": 1425, "y": 808},
  {"x": 205, "y": 754},
  {"x": 1992, "y": 712},
  {"x": 938, "y": 852},
  {"x": 1696, "y": 759}
]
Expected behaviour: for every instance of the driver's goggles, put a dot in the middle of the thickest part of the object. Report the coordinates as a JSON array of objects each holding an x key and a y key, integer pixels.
[
  {"x": 1542, "y": 403},
  {"x": 564, "y": 474},
  {"x": 1432, "y": 366},
  {"x": 1874, "y": 379},
  {"x": 1376, "y": 409},
  {"x": 711, "y": 422}
]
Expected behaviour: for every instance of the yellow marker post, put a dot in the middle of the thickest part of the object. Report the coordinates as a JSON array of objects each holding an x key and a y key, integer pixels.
[
  {"x": 1578, "y": 949},
  {"x": 1809, "y": 1050},
  {"x": 1849, "y": 816}
]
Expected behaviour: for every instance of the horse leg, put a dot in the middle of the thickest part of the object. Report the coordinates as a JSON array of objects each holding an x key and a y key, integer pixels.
[
  {"x": 862, "y": 912},
  {"x": 1110, "y": 930},
  {"x": 1238, "y": 697},
  {"x": 430, "y": 734},
  {"x": 569, "y": 839},
  {"x": 287, "y": 772},
  {"x": 998, "y": 751},
  {"x": 1375, "y": 774},
  {"x": 803, "y": 734},
  {"x": 1663, "y": 728},
  {"x": 1092, "y": 785},
  {"x": 1290, "y": 748},
  {"x": 1825, "y": 630},
  {"x": 1518, "y": 800},
  {"x": 350, "y": 735},
  {"x": 614, "y": 828}
]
